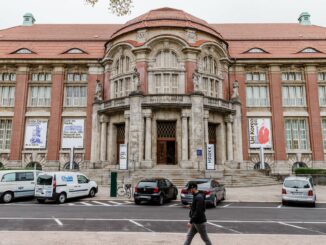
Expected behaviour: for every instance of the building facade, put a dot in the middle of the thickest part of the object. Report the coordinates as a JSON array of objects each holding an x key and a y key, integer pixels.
[{"x": 165, "y": 84}]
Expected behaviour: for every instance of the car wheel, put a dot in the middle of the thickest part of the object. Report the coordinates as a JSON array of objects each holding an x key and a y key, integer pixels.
[
  {"x": 161, "y": 200},
  {"x": 92, "y": 193},
  {"x": 284, "y": 203},
  {"x": 313, "y": 205},
  {"x": 214, "y": 204},
  {"x": 62, "y": 198},
  {"x": 137, "y": 202},
  {"x": 7, "y": 197},
  {"x": 40, "y": 200}
]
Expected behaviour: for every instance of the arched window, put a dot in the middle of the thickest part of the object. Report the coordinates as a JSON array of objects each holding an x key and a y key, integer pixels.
[
  {"x": 258, "y": 166},
  {"x": 32, "y": 165},
  {"x": 75, "y": 166},
  {"x": 211, "y": 85},
  {"x": 1, "y": 165},
  {"x": 122, "y": 77},
  {"x": 166, "y": 59},
  {"x": 298, "y": 165}
]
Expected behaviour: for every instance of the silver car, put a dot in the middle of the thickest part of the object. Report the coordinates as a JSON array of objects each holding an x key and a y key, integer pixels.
[{"x": 298, "y": 189}]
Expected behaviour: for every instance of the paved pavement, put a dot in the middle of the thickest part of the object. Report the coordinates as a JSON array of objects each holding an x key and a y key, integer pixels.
[{"x": 270, "y": 193}]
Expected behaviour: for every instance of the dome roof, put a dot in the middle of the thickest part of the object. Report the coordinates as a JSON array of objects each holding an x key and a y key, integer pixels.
[{"x": 166, "y": 17}]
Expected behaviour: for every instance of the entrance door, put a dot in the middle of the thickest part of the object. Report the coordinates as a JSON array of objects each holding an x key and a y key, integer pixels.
[
  {"x": 166, "y": 142},
  {"x": 120, "y": 138},
  {"x": 212, "y": 137}
]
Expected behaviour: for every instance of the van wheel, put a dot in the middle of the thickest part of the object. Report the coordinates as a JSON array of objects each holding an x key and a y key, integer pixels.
[
  {"x": 7, "y": 197},
  {"x": 92, "y": 193},
  {"x": 40, "y": 200},
  {"x": 62, "y": 198}
]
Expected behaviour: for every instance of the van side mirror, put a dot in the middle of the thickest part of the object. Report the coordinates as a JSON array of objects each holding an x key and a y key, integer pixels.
[{"x": 87, "y": 181}]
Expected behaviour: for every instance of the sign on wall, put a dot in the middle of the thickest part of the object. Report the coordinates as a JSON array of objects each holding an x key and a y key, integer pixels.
[
  {"x": 73, "y": 133},
  {"x": 36, "y": 133},
  {"x": 210, "y": 158},
  {"x": 260, "y": 132},
  {"x": 123, "y": 159}
]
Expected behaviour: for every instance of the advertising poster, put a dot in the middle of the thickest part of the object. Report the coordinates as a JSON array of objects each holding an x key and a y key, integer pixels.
[
  {"x": 260, "y": 132},
  {"x": 210, "y": 160},
  {"x": 73, "y": 133},
  {"x": 123, "y": 161},
  {"x": 36, "y": 133}
]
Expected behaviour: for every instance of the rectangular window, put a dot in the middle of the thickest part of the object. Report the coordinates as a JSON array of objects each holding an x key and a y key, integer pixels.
[
  {"x": 36, "y": 77},
  {"x": 77, "y": 77},
  {"x": 75, "y": 96},
  {"x": 293, "y": 96},
  {"x": 322, "y": 95},
  {"x": 296, "y": 134},
  {"x": 5, "y": 133},
  {"x": 7, "y": 96},
  {"x": 8, "y": 77},
  {"x": 257, "y": 96},
  {"x": 322, "y": 76},
  {"x": 255, "y": 76},
  {"x": 324, "y": 132},
  {"x": 40, "y": 96},
  {"x": 166, "y": 83},
  {"x": 292, "y": 76}
]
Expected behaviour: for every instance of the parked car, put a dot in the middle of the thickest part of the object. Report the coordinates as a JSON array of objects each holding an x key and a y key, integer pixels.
[
  {"x": 212, "y": 189},
  {"x": 156, "y": 190},
  {"x": 60, "y": 186},
  {"x": 298, "y": 189},
  {"x": 17, "y": 183}
]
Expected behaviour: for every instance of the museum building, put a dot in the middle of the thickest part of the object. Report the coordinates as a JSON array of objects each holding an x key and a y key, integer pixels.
[{"x": 168, "y": 87}]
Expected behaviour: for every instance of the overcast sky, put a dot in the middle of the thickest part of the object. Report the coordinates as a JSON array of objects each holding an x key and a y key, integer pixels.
[{"x": 213, "y": 11}]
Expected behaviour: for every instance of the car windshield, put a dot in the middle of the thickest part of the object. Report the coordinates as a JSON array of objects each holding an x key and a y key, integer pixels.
[
  {"x": 44, "y": 180},
  {"x": 296, "y": 184},
  {"x": 147, "y": 184}
]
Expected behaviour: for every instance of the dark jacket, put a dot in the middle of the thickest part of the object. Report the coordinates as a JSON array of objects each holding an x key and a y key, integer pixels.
[{"x": 197, "y": 211}]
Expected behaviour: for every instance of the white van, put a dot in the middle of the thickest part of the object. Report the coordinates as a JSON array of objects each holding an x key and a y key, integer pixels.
[
  {"x": 60, "y": 186},
  {"x": 17, "y": 183}
]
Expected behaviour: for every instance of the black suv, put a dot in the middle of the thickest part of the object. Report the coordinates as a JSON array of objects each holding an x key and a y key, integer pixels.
[{"x": 156, "y": 190}]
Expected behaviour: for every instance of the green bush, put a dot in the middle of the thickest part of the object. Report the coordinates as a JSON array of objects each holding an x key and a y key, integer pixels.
[{"x": 310, "y": 171}]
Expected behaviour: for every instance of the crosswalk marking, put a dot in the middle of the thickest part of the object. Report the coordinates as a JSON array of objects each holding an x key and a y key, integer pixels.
[{"x": 102, "y": 203}]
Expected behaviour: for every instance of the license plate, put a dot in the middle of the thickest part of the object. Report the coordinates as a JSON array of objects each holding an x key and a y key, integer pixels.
[
  {"x": 145, "y": 197},
  {"x": 297, "y": 193}
]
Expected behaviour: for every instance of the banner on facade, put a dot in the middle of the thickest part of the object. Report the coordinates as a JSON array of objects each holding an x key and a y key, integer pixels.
[
  {"x": 73, "y": 133},
  {"x": 210, "y": 157},
  {"x": 123, "y": 157},
  {"x": 260, "y": 132},
  {"x": 36, "y": 133}
]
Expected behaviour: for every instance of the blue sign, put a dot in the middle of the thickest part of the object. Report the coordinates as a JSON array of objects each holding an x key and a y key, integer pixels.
[
  {"x": 199, "y": 152},
  {"x": 67, "y": 178}
]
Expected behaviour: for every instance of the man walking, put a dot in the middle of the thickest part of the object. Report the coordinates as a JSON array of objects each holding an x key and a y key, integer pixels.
[{"x": 197, "y": 216}]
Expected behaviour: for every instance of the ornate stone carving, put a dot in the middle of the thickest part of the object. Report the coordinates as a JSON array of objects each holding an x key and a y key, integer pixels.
[
  {"x": 142, "y": 36},
  {"x": 191, "y": 36},
  {"x": 98, "y": 96},
  {"x": 136, "y": 80},
  {"x": 235, "y": 94},
  {"x": 196, "y": 80}
]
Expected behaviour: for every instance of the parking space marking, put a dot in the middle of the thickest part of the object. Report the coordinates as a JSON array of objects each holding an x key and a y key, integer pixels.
[
  {"x": 86, "y": 204},
  {"x": 102, "y": 203},
  {"x": 295, "y": 226},
  {"x": 140, "y": 225},
  {"x": 128, "y": 202},
  {"x": 227, "y": 205},
  {"x": 173, "y": 205},
  {"x": 71, "y": 204},
  {"x": 57, "y": 221},
  {"x": 116, "y": 203},
  {"x": 224, "y": 228},
  {"x": 279, "y": 206}
]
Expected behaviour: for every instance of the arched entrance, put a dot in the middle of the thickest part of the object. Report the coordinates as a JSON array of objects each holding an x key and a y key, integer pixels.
[
  {"x": 258, "y": 166},
  {"x": 166, "y": 142},
  {"x": 75, "y": 166},
  {"x": 32, "y": 165}
]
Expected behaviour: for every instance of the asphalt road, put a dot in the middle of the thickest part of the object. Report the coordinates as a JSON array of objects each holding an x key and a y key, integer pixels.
[{"x": 125, "y": 216}]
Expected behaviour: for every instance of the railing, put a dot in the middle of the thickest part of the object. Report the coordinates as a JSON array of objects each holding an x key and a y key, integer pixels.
[
  {"x": 166, "y": 99},
  {"x": 218, "y": 103},
  {"x": 116, "y": 103}
]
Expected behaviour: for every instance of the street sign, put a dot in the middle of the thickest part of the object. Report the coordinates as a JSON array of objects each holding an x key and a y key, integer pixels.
[
  {"x": 210, "y": 157},
  {"x": 199, "y": 152}
]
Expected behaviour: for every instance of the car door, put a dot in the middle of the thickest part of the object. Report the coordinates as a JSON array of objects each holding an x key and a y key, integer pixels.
[
  {"x": 8, "y": 183},
  {"x": 26, "y": 184},
  {"x": 83, "y": 186},
  {"x": 170, "y": 189},
  {"x": 163, "y": 188}
]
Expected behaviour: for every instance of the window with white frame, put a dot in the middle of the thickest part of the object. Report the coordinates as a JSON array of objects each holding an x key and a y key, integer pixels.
[
  {"x": 296, "y": 134},
  {"x": 291, "y": 76},
  {"x": 40, "y": 96},
  {"x": 75, "y": 96},
  {"x": 324, "y": 132},
  {"x": 255, "y": 76},
  {"x": 76, "y": 77},
  {"x": 5, "y": 133},
  {"x": 122, "y": 77},
  {"x": 211, "y": 85},
  {"x": 322, "y": 76},
  {"x": 322, "y": 95},
  {"x": 293, "y": 95},
  {"x": 122, "y": 65},
  {"x": 257, "y": 96},
  {"x": 7, "y": 96},
  {"x": 41, "y": 76},
  {"x": 7, "y": 77},
  {"x": 166, "y": 83}
]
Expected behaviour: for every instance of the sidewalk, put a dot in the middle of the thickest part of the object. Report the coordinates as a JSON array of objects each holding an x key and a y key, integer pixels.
[
  {"x": 140, "y": 238},
  {"x": 270, "y": 193}
]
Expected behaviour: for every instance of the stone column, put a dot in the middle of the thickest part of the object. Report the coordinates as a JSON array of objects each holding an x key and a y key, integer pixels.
[
  {"x": 206, "y": 115},
  {"x": 237, "y": 133},
  {"x": 184, "y": 142},
  {"x": 148, "y": 138},
  {"x": 104, "y": 123},
  {"x": 229, "y": 138},
  {"x": 95, "y": 143},
  {"x": 220, "y": 141},
  {"x": 111, "y": 145},
  {"x": 127, "y": 119}
]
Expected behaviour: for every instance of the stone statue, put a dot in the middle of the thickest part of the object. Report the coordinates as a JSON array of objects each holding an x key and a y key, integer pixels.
[
  {"x": 196, "y": 80},
  {"x": 136, "y": 80},
  {"x": 235, "y": 94},
  {"x": 98, "y": 96}
]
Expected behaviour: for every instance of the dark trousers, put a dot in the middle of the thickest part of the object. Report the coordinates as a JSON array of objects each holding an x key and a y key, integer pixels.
[{"x": 201, "y": 229}]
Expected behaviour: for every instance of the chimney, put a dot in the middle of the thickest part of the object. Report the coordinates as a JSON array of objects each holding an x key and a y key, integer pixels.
[
  {"x": 29, "y": 19},
  {"x": 304, "y": 19}
]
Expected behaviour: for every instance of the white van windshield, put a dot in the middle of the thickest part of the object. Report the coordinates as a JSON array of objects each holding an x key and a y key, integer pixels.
[{"x": 44, "y": 180}]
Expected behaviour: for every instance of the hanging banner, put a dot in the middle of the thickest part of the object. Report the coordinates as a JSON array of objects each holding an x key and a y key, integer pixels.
[
  {"x": 73, "y": 133},
  {"x": 260, "y": 132},
  {"x": 123, "y": 159},
  {"x": 36, "y": 133},
  {"x": 210, "y": 158}
]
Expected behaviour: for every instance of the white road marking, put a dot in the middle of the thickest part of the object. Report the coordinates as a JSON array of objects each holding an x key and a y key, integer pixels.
[
  {"x": 295, "y": 226},
  {"x": 140, "y": 225},
  {"x": 228, "y": 229},
  {"x": 86, "y": 204},
  {"x": 173, "y": 205},
  {"x": 102, "y": 203},
  {"x": 128, "y": 202},
  {"x": 226, "y": 205},
  {"x": 116, "y": 203},
  {"x": 71, "y": 204},
  {"x": 58, "y": 221},
  {"x": 279, "y": 206}
]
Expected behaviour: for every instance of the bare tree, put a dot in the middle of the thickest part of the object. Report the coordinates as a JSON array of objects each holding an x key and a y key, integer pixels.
[{"x": 118, "y": 7}]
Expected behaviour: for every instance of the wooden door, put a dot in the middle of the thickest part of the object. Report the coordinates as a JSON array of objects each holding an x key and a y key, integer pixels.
[{"x": 161, "y": 152}]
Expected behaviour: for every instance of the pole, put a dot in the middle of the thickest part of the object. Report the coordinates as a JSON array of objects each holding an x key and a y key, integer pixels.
[
  {"x": 71, "y": 158},
  {"x": 262, "y": 160}
]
